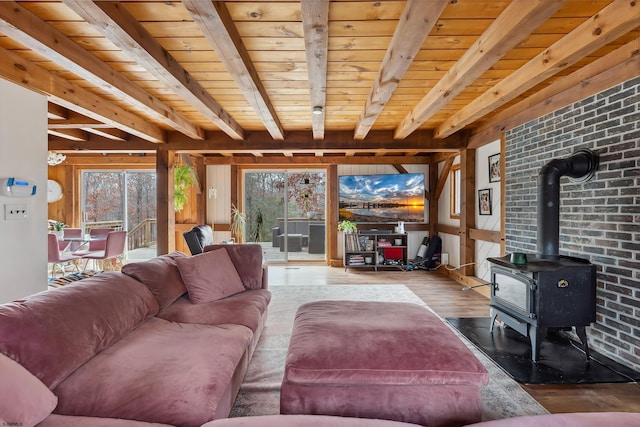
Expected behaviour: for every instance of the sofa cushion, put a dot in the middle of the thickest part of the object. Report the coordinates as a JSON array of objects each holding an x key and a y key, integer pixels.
[
  {"x": 161, "y": 276},
  {"x": 24, "y": 400},
  {"x": 209, "y": 276},
  {"x": 576, "y": 419},
  {"x": 245, "y": 308},
  {"x": 304, "y": 420},
  {"x": 161, "y": 372},
  {"x": 54, "y": 332},
  {"x": 55, "y": 420},
  {"x": 248, "y": 260}
]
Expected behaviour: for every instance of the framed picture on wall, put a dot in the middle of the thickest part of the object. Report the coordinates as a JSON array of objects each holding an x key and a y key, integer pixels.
[
  {"x": 484, "y": 201},
  {"x": 494, "y": 168}
]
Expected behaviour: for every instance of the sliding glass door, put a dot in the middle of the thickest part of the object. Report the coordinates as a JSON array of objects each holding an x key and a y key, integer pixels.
[{"x": 286, "y": 211}]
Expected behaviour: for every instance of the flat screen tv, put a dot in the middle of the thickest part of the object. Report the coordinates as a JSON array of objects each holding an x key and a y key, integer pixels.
[{"x": 381, "y": 198}]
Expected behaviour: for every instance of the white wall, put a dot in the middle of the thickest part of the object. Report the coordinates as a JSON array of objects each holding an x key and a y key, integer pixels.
[
  {"x": 23, "y": 154},
  {"x": 487, "y": 222},
  {"x": 219, "y": 207},
  {"x": 451, "y": 243}
]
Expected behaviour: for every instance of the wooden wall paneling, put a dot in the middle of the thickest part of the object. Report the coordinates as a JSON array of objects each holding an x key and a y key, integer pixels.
[
  {"x": 72, "y": 197},
  {"x": 448, "y": 229},
  {"x": 332, "y": 220},
  {"x": 164, "y": 196},
  {"x": 467, "y": 209},
  {"x": 56, "y": 210},
  {"x": 485, "y": 235},
  {"x": 201, "y": 193},
  {"x": 433, "y": 198},
  {"x": 236, "y": 196}
]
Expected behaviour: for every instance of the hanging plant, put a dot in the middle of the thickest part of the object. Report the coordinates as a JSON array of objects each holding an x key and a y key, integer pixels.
[{"x": 183, "y": 179}]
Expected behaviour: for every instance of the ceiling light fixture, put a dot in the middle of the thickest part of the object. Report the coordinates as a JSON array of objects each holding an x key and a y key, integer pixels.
[
  {"x": 54, "y": 158},
  {"x": 317, "y": 110}
]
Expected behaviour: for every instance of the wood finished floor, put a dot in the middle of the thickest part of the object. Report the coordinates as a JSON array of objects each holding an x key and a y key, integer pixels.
[{"x": 447, "y": 298}]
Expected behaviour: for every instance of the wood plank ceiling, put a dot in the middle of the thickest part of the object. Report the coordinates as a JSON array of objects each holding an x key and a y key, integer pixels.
[{"x": 244, "y": 77}]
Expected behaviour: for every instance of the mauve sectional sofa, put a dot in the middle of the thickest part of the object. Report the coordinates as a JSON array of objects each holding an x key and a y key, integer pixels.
[
  {"x": 592, "y": 419},
  {"x": 164, "y": 342}
]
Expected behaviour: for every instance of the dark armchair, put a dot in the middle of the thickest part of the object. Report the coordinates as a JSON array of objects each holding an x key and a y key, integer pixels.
[{"x": 198, "y": 237}]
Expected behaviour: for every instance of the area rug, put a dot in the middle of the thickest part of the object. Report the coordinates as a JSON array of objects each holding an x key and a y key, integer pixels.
[
  {"x": 559, "y": 360},
  {"x": 260, "y": 390},
  {"x": 73, "y": 277}
]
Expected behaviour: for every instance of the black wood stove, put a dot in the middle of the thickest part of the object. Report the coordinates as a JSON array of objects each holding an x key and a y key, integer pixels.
[{"x": 535, "y": 293}]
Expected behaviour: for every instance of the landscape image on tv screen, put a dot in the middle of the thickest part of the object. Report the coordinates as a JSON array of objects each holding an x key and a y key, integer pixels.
[{"x": 382, "y": 198}]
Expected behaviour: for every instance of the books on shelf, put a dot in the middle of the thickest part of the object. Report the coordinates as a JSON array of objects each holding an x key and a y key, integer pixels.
[
  {"x": 356, "y": 260},
  {"x": 354, "y": 242}
]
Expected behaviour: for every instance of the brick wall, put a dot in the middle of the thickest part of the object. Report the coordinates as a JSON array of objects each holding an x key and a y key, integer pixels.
[{"x": 600, "y": 219}]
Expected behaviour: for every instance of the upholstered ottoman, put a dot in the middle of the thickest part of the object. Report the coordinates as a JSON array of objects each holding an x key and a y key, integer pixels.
[{"x": 386, "y": 360}]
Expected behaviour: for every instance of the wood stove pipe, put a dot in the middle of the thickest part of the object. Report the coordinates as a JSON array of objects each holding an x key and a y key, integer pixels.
[{"x": 581, "y": 166}]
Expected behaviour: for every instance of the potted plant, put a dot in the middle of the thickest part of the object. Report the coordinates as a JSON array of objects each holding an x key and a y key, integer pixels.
[
  {"x": 238, "y": 224},
  {"x": 347, "y": 226},
  {"x": 183, "y": 178},
  {"x": 57, "y": 227}
]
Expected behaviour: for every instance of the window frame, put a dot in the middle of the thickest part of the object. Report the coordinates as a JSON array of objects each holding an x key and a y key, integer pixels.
[{"x": 455, "y": 205}]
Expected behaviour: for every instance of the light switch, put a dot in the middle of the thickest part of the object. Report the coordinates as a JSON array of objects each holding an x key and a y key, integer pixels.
[{"x": 16, "y": 212}]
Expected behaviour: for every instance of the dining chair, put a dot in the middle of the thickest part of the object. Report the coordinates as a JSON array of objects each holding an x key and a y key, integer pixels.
[
  {"x": 57, "y": 258},
  {"x": 72, "y": 237},
  {"x": 113, "y": 251},
  {"x": 97, "y": 238}
]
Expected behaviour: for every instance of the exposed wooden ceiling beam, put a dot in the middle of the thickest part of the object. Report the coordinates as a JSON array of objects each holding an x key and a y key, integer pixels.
[
  {"x": 294, "y": 142},
  {"x": 122, "y": 29},
  {"x": 73, "y": 97},
  {"x": 513, "y": 25},
  {"x": 26, "y": 28},
  {"x": 114, "y": 134},
  {"x": 310, "y": 160},
  {"x": 75, "y": 120},
  {"x": 216, "y": 24},
  {"x": 616, "y": 67},
  {"x": 444, "y": 174},
  {"x": 615, "y": 20},
  {"x": 400, "y": 168},
  {"x": 56, "y": 112},
  {"x": 70, "y": 134},
  {"x": 415, "y": 24},
  {"x": 315, "y": 24},
  {"x": 144, "y": 160}
]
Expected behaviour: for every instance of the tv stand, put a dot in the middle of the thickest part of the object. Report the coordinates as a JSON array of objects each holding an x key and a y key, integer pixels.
[{"x": 375, "y": 249}]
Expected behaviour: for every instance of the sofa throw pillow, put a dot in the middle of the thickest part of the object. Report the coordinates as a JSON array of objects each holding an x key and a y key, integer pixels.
[
  {"x": 209, "y": 276},
  {"x": 24, "y": 399},
  {"x": 248, "y": 257},
  {"x": 161, "y": 276}
]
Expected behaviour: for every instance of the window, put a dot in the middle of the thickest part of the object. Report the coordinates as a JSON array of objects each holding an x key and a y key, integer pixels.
[{"x": 454, "y": 179}]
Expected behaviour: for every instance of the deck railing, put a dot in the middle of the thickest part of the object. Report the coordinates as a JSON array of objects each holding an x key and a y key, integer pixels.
[
  {"x": 144, "y": 234},
  {"x": 116, "y": 225}
]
